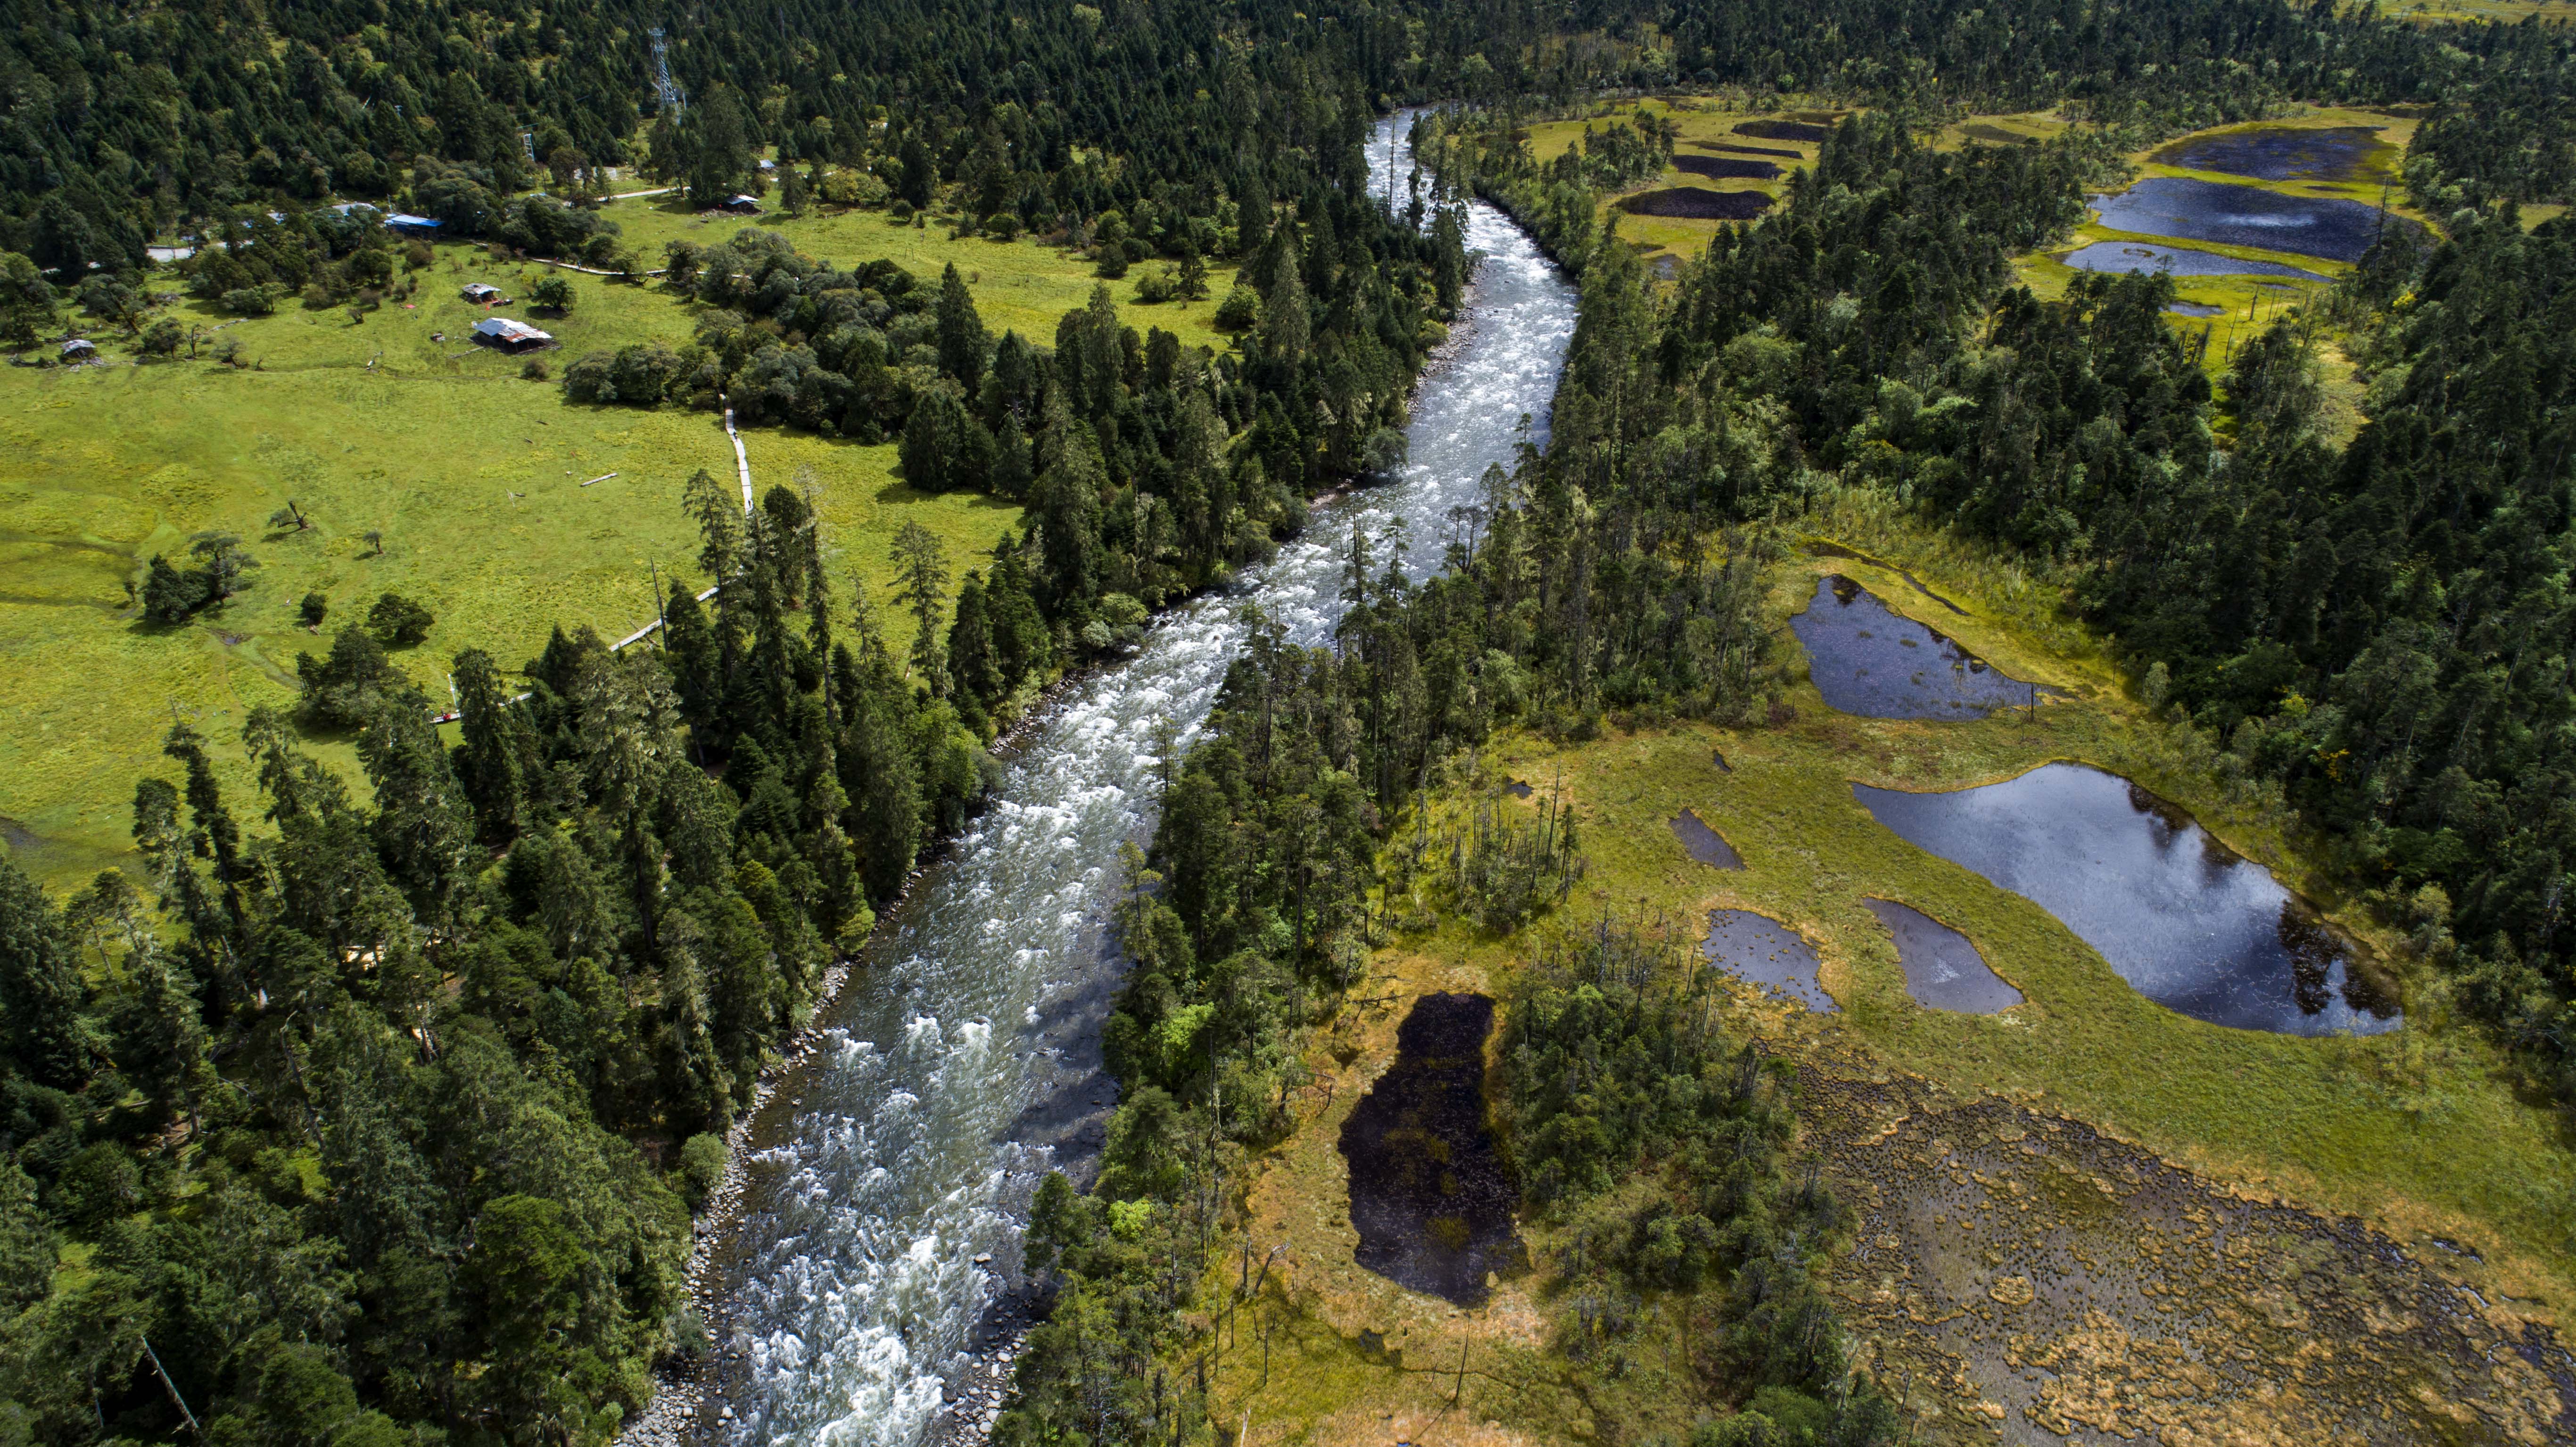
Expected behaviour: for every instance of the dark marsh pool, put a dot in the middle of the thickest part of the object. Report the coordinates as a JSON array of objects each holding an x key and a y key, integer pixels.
[
  {"x": 1694, "y": 204},
  {"x": 1429, "y": 1197},
  {"x": 1943, "y": 970},
  {"x": 1869, "y": 660},
  {"x": 2326, "y": 226},
  {"x": 1704, "y": 843},
  {"x": 2282, "y": 153},
  {"x": 1760, "y": 950},
  {"x": 2188, "y": 922}
]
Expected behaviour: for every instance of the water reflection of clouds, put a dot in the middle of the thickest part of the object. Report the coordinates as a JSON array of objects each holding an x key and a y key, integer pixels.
[
  {"x": 2325, "y": 226},
  {"x": 2188, "y": 922}
]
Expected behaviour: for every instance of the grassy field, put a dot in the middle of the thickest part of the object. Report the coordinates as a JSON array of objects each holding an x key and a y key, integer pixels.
[
  {"x": 473, "y": 477},
  {"x": 2477, "y": 12},
  {"x": 1018, "y": 285}
]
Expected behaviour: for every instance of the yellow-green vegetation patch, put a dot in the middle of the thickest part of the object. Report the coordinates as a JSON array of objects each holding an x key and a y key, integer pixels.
[
  {"x": 2475, "y": 12},
  {"x": 2246, "y": 305},
  {"x": 2018, "y": 128},
  {"x": 503, "y": 509},
  {"x": 2419, "y": 1130},
  {"x": 1021, "y": 285}
]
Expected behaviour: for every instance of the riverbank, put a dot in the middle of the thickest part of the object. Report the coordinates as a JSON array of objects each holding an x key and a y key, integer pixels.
[
  {"x": 2085, "y": 1214},
  {"x": 879, "y": 1193}
]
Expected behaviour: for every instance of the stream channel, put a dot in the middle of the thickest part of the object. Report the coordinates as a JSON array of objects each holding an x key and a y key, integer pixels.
[{"x": 871, "y": 1271}]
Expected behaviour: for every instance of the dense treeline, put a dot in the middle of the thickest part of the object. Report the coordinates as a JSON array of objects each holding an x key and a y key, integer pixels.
[
  {"x": 392, "y": 1131},
  {"x": 122, "y": 123},
  {"x": 2380, "y": 628},
  {"x": 1617, "y": 1071}
]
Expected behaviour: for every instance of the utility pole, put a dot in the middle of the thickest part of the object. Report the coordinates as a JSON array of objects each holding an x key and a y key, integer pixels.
[{"x": 173, "y": 1389}]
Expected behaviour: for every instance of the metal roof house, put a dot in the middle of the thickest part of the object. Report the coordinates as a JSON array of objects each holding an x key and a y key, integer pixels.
[
  {"x": 510, "y": 336},
  {"x": 742, "y": 205},
  {"x": 478, "y": 292},
  {"x": 80, "y": 349},
  {"x": 409, "y": 224}
]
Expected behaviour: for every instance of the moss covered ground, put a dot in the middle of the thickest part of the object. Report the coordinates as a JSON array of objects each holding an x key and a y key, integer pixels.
[
  {"x": 2235, "y": 1235},
  {"x": 473, "y": 476}
]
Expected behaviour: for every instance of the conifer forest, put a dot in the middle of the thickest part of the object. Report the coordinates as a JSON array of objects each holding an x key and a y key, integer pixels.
[{"x": 1242, "y": 611}]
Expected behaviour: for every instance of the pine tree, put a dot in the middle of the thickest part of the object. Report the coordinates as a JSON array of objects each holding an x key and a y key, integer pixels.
[
  {"x": 718, "y": 147},
  {"x": 40, "y": 986},
  {"x": 971, "y": 661},
  {"x": 922, "y": 565},
  {"x": 961, "y": 332},
  {"x": 499, "y": 750}
]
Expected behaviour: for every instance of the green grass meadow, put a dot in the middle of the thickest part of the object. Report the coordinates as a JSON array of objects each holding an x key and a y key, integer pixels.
[{"x": 473, "y": 476}]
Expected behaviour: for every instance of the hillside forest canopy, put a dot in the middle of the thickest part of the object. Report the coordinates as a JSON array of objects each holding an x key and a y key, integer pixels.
[{"x": 377, "y": 1115}]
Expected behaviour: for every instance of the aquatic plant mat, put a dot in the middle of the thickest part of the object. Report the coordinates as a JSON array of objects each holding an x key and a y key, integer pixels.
[{"x": 2019, "y": 1271}]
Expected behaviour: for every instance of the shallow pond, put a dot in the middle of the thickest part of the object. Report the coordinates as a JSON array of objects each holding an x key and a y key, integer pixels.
[
  {"x": 2195, "y": 309},
  {"x": 1760, "y": 950},
  {"x": 1705, "y": 844},
  {"x": 1868, "y": 660},
  {"x": 2188, "y": 922},
  {"x": 2279, "y": 153},
  {"x": 2180, "y": 261},
  {"x": 1942, "y": 968},
  {"x": 1783, "y": 131},
  {"x": 2326, "y": 226},
  {"x": 1720, "y": 168},
  {"x": 1690, "y": 203},
  {"x": 1429, "y": 1197}
]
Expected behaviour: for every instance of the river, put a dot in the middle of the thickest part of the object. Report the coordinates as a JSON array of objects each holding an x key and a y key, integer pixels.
[{"x": 874, "y": 1255}]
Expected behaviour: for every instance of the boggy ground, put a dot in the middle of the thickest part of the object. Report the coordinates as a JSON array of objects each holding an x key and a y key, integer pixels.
[
  {"x": 2024, "y": 1276},
  {"x": 2083, "y": 1217}
]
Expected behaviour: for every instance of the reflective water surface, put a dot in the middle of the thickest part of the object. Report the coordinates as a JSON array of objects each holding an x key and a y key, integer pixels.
[
  {"x": 2190, "y": 923},
  {"x": 1704, "y": 843},
  {"x": 2326, "y": 226},
  {"x": 2181, "y": 261},
  {"x": 1942, "y": 968},
  {"x": 1761, "y": 950},
  {"x": 962, "y": 1059},
  {"x": 1869, "y": 660},
  {"x": 2279, "y": 153}
]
